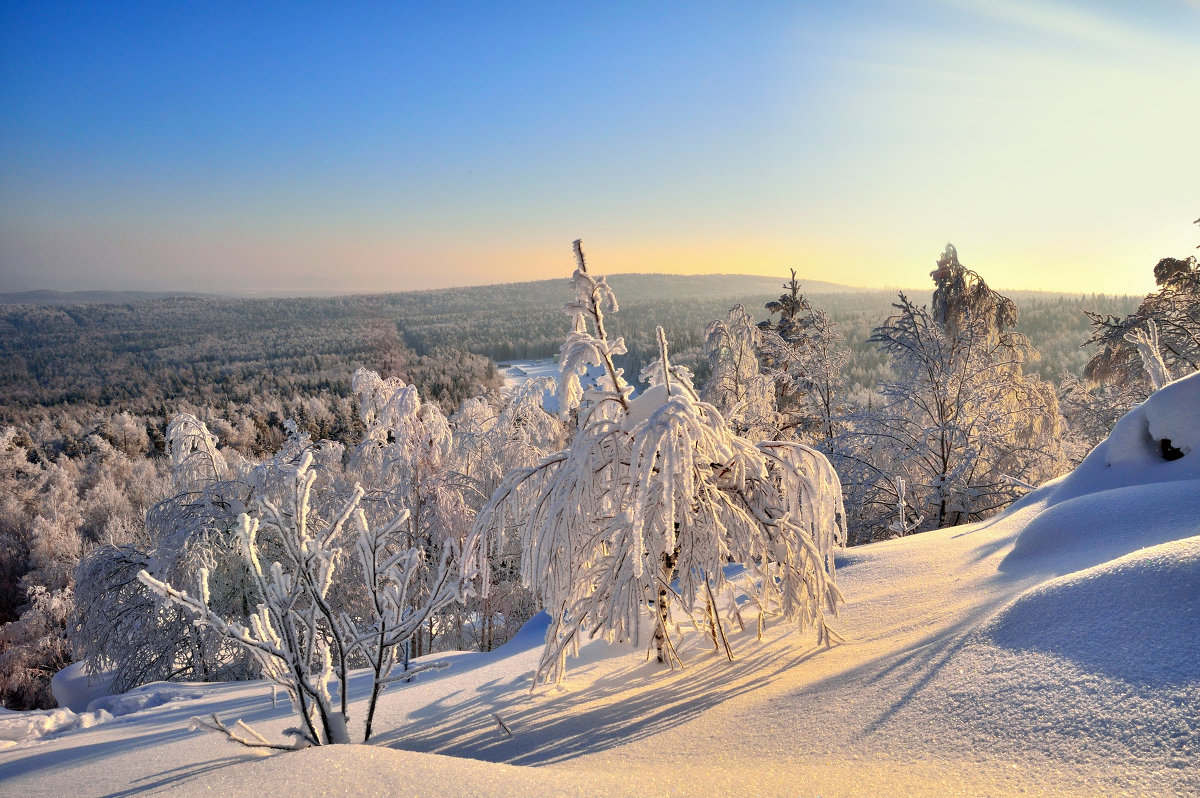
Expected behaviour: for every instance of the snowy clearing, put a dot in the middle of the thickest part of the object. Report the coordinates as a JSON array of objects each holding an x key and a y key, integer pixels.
[{"x": 1052, "y": 650}]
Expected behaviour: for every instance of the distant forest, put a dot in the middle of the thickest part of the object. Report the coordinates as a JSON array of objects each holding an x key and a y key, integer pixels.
[
  {"x": 153, "y": 357},
  {"x": 88, "y": 391}
]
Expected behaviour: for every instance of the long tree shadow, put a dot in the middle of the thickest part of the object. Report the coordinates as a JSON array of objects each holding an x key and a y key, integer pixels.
[
  {"x": 555, "y": 726},
  {"x": 172, "y": 778},
  {"x": 168, "y": 723},
  {"x": 907, "y": 673}
]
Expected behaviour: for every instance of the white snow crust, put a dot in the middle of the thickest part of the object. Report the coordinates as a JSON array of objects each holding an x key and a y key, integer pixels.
[
  {"x": 74, "y": 689},
  {"x": 1053, "y": 650},
  {"x": 1169, "y": 414}
]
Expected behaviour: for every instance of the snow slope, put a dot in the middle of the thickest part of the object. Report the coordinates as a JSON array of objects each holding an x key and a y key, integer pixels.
[{"x": 1052, "y": 650}]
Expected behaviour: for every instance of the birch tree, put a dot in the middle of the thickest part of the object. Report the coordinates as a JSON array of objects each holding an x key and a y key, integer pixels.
[
  {"x": 653, "y": 498},
  {"x": 962, "y": 426},
  {"x": 302, "y": 640}
]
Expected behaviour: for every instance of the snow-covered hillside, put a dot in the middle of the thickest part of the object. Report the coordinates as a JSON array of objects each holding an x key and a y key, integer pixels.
[
  {"x": 1052, "y": 650},
  {"x": 517, "y": 373}
]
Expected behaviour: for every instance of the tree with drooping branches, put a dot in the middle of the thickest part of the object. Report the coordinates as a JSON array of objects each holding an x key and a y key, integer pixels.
[{"x": 639, "y": 516}]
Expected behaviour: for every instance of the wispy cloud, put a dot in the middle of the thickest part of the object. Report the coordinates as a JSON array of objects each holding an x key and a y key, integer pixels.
[{"x": 1090, "y": 26}]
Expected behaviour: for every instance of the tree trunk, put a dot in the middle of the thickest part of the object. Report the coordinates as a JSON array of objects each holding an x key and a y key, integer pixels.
[{"x": 663, "y": 608}]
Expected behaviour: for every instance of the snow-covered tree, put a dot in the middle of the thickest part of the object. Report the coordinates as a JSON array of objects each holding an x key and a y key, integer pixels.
[
  {"x": 653, "y": 498},
  {"x": 962, "y": 425},
  {"x": 126, "y": 433},
  {"x": 33, "y": 648},
  {"x": 405, "y": 460},
  {"x": 1135, "y": 355},
  {"x": 300, "y": 637},
  {"x": 119, "y": 626},
  {"x": 19, "y": 491},
  {"x": 1174, "y": 309},
  {"x": 50, "y": 516},
  {"x": 1146, "y": 342},
  {"x": 34, "y": 645},
  {"x": 802, "y": 349},
  {"x": 736, "y": 385},
  {"x": 1091, "y": 409},
  {"x": 491, "y": 438},
  {"x": 195, "y": 460}
]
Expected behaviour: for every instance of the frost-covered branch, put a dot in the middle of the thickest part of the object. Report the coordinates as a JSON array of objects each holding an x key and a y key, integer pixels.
[{"x": 301, "y": 640}]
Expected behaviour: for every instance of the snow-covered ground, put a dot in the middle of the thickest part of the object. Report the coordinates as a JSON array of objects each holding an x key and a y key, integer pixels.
[
  {"x": 518, "y": 372},
  {"x": 1053, "y": 650}
]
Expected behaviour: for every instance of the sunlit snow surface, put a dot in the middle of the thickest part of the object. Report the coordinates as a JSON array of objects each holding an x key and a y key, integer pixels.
[
  {"x": 519, "y": 372},
  {"x": 1053, "y": 650}
]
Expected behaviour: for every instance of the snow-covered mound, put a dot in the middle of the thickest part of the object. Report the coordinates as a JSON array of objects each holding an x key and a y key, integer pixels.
[
  {"x": 1165, "y": 427},
  {"x": 18, "y": 727},
  {"x": 1134, "y": 618},
  {"x": 1139, "y": 487},
  {"x": 146, "y": 697},
  {"x": 74, "y": 689},
  {"x": 1085, "y": 530},
  {"x": 24, "y": 726},
  {"x": 1157, "y": 441},
  {"x": 1100, "y": 662}
]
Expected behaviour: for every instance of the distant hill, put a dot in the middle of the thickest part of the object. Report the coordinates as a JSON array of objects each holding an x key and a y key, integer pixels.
[
  {"x": 676, "y": 286},
  {"x": 142, "y": 350},
  {"x": 641, "y": 287},
  {"x": 48, "y": 297},
  {"x": 702, "y": 286}
]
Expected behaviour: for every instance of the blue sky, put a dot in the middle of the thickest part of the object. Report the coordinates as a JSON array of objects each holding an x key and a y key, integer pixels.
[{"x": 373, "y": 147}]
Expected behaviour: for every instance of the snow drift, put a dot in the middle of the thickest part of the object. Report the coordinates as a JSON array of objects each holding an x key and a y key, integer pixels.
[{"x": 1133, "y": 618}]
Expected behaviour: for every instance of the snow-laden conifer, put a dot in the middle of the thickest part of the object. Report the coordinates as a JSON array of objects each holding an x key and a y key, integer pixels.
[
  {"x": 802, "y": 350},
  {"x": 654, "y": 498}
]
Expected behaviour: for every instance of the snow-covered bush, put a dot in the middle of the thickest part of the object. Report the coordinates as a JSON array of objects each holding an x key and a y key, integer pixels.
[
  {"x": 653, "y": 498},
  {"x": 300, "y": 637},
  {"x": 121, "y": 628}
]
